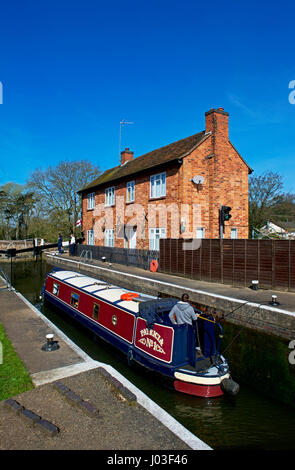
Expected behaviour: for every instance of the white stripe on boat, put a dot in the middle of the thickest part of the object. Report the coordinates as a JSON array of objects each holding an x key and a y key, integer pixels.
[{"x": 200, "y": 380}]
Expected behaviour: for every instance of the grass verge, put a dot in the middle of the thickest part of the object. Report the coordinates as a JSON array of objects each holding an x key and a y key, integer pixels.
[{"x": 14, "y": 378}]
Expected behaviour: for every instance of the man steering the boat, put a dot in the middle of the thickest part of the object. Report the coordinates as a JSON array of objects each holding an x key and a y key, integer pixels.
[{"x": 183, "y": 312}]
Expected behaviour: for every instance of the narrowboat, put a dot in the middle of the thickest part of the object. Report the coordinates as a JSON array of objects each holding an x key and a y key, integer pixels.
[{"x": 139, "y": 326}]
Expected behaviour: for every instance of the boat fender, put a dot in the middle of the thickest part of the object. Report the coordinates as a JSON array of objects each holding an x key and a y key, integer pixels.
[
  {"x": 129, "y": 296},
  {"x": 154, "y": 266},
  {"x": 230, "y": 386}
]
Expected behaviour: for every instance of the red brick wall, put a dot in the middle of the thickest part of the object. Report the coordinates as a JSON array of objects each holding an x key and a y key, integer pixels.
[
  {"x": 144, "y": 211},
  {"x": 126, "y": 156},
  {"x": 228, "y": 178},
  {"x": 225, "y": 183}
]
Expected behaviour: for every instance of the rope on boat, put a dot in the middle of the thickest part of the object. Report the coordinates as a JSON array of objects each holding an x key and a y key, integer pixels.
[
  {"x": 225, "y": 316},
  {"x": 241, "y": 329}
]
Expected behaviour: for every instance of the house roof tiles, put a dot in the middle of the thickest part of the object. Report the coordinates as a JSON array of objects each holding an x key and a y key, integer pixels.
[{"x": 149, "y": 160}]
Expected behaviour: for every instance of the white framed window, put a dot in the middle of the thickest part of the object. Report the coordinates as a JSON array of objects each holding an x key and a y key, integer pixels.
[
  {"x": 110, "y": 196},
  {"x": 90, "y": 237},
  {"x": 234, "y": 233},
  {"x": 200, "y": 232},
  {"x": 109, "y": 237},
  {"x": 154, "y": 236},
  {"x": 158, "y": 185},
  {"x": 130, "y": 197},
  {"x": 90, "y": 201}
]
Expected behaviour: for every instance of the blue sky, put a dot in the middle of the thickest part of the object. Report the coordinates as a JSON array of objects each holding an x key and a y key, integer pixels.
[{"x": 72, "y": 70}]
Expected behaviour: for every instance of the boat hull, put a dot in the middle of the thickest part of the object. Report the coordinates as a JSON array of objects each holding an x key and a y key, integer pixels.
[
  {"x": 160, "y": 349},
  {"x": 90, "y": 325},
  {"x": 206, "y": 391}
]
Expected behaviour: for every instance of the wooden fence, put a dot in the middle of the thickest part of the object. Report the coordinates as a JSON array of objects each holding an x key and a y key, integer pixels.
[{"x": 233, "y": 262}]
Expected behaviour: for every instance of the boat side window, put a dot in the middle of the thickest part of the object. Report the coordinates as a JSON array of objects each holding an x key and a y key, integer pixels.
[
  {"x": 95, "y": 312},
  {"x": 55, "y": 289},
  {"x": 74, "y": 300}
]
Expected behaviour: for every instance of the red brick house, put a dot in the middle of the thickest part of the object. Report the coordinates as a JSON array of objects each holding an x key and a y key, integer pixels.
[{"x": 171, "y": 192}]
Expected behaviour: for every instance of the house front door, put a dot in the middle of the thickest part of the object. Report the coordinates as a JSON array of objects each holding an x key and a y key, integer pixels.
[{"x": 131, "y": 237}]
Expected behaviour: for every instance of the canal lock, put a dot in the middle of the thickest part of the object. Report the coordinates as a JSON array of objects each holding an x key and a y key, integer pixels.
[{"x": 258, "y": 360}]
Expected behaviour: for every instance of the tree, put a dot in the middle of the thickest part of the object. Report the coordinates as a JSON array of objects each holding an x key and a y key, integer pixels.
[
  {"x": 265, "y": 191},
  {"x": 23, "y": 209},
  {"x": 16, "y": 207},
  {"x": 56, "y": 188},
  {"x": 284, "y": 209}
]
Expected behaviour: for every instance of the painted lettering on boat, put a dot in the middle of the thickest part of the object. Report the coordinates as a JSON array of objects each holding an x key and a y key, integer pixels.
[
  {"x": 157, "y": 342},
  {"x": 153, "y": 333},
  {"x": 151, "y": 343}
]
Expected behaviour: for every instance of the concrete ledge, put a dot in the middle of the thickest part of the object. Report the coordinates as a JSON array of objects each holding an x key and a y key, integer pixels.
[
  {"x": 88, "y": 408},
  {"x": 47, "y": 427},
  {"x": 72, "y": 398},
  {"x": 142, "y": 399},
  {"x": 124, "y": 391},
  {"x": 252, "y": 311},
  {"x": 31, "y": 418},
  {"x": 13, "y": 405},
  {"x": 75, "y": 399},
  {"x": 60, "y": 387},
  {"x": 47, "y": 376},
  {"x": 127, "y": 394},
  {"x": 9, "y": 315}
]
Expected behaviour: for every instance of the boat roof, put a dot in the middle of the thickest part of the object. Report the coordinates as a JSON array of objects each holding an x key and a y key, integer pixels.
[{"x": 101, "y": 289}]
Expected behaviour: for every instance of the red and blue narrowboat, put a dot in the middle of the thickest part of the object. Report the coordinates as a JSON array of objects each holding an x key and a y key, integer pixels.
[{"x": 139, "y": 326}]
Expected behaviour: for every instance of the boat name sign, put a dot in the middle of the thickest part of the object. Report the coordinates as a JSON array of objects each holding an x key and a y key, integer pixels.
[
  {"x": 158, "y": 342},
  {"x": 150, "y": 343},
  {"x": 147, "y": 332}
]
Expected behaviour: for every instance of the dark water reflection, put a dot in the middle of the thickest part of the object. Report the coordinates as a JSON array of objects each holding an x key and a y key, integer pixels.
[{"x": 248, "y": 421}]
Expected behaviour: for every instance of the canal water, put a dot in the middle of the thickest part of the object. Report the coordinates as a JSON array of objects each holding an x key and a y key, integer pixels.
[{"x": 249, "y": 421}]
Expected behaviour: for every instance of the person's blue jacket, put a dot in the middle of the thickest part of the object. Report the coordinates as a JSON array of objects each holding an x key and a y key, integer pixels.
[{"x": 59, "y": 243}]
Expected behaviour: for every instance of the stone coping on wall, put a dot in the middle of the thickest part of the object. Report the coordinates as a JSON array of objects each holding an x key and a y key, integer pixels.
[{"x": 250, "y": 309}]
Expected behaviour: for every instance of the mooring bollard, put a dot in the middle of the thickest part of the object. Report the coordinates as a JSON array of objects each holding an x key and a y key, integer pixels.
[
  {"x": 274, "y": 300},
  {"x": 254, "y": 285},
  {"x": 50, "y": 345}
]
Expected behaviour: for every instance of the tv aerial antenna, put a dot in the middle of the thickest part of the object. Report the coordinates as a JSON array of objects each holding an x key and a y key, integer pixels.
[{"x": 122, "y": 123}]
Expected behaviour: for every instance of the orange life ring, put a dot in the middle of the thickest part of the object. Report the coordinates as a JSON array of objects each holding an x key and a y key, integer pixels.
[
  {"x": 154, "y": 266},
  {"x": 129, "y": 296}
]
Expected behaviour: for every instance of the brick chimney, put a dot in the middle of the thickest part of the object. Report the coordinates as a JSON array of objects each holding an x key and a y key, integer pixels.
[
  {"x": 217, "y": 122},
  {"x": 218, "y": 165},
  {"x": 126, "y": 156}
]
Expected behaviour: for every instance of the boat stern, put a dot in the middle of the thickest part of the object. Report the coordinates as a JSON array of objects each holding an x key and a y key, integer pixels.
[{"x": 215, "y": 381}]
